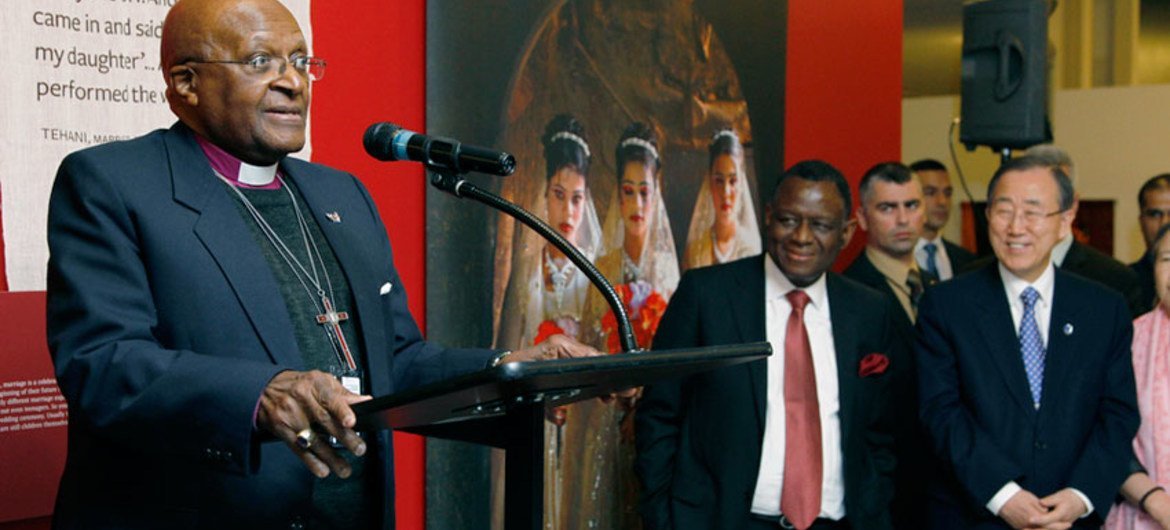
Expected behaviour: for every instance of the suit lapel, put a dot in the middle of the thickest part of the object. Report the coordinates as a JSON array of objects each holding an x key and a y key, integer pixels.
[
  {"x": 329, "y": 208},
  {"x": 843, "y": 319},
  {"x": 1058, "y": 355},
  {"x": 746, "y": 299},
  {"x": 998, "y": 330},
  {"x": 228, "y": 239},
  {"x": 864, "y": 271}
]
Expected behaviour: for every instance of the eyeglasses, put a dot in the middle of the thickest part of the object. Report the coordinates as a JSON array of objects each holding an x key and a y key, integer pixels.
[
  {"x": 1004, "y": 215},
  {"x": 262, "y": 64}
]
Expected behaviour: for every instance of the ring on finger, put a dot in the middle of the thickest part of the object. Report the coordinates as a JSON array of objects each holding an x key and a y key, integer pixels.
[{"x": 305, "y": 438}]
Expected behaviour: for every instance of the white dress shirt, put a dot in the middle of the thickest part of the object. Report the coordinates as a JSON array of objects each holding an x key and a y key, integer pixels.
[
  {"x": 1060, "y": 251},
  {"x": 1013, "y": 287},
  {"x": 941, "y": 259},
  {"x": 770, "y": 481}
]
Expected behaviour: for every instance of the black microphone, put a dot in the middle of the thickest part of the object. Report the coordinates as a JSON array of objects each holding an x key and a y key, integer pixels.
[{"x": 389, "y": 142}]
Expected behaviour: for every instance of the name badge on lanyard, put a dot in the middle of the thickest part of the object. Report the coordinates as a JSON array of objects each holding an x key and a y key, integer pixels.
[{"x": 352, "y": 384}]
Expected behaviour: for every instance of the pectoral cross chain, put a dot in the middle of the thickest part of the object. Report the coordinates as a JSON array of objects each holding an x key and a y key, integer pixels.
[{"x": 332, "y": 320}]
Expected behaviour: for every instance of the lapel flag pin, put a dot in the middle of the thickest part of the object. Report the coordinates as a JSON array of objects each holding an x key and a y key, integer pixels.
[
  {"x": 1068, "y": 329},
  {"x": 333, "y": 216}
]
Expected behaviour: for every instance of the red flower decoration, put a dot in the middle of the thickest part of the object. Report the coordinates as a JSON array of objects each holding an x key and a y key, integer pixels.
[
  {"x": 644, "y": 319},
  {"x": 547, "y": 329},
  {"x": 873, "y": 364}
]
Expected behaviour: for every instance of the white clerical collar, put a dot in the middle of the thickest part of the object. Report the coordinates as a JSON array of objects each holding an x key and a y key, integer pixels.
[
  {"x": 257, "y": 175},
  {"x": 237, "y": 171}
]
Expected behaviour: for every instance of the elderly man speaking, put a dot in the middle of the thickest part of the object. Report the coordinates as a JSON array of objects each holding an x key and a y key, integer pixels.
[{"x": 208, "y": 294}]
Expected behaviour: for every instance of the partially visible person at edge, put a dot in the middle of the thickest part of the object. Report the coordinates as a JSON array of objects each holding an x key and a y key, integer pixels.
[
  {"x": 1153, "y": 214},
  {"x": 215, "y": 306},
  {"x": 1147, "y": 505}
]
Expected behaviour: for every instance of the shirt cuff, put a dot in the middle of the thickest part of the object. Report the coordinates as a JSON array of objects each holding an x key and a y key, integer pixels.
[
  {"x": 1005, "y": 494},
  {"x": 1084, "y": 499}
]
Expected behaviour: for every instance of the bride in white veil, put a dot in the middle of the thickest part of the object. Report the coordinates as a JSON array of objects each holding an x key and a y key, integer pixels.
[
  {"x": 546, "y": 294},
  {"x": 545, "y": 288},
  {"x": 639, "y": 244},
  {"x": 723, "y": 225},
  {"x": 640, "y": 260}
]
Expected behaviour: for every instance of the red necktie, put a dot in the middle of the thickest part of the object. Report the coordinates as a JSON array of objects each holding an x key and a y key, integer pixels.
[{"x": 800, "y": 500}]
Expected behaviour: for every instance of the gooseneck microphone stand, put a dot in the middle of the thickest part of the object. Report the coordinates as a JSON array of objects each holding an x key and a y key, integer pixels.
[
  {"x": 504, "y": 406},
  {"x": 454, "y": 183}
]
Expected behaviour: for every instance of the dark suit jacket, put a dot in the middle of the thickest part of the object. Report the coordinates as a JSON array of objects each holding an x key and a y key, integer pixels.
[
  {"x": 977, "y": 408},
  {"x": 1088, "y": 262},
  {"x": 864, "y": 271},
  {"x": 959, "y": 256},
  {"x": 165, "y": 324},
  {"x": 914, "y": 464},
  {"x": 1144, "y": 269},
  {"x": 1099, "y": 267},
  {"x": 699, "y": 439}
]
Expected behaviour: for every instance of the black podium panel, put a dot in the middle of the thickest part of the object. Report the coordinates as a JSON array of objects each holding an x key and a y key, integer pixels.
[
  {"x": 504, "y": 407},
  {"x": 488, "y": 393}
]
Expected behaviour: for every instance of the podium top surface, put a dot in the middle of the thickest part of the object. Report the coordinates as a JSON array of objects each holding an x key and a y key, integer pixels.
[{"x": 492, "y": 391}]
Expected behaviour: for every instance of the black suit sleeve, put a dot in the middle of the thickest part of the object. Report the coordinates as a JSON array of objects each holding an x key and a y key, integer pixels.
[
  {"x": 980, "y": 466},
  {"x": 1106, "y": 459},
  {"x": 660, "y": 413}
]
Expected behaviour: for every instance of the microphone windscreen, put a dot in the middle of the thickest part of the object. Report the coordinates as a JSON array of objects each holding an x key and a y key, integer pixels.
[{"x": 379, "y": 140}]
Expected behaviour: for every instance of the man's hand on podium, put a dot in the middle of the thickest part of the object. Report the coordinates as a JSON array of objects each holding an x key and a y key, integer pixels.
[
  {"x": 565, "y": 347},
  {"x": 554, "y": 347},
  {"x": 295, "y": 404}
]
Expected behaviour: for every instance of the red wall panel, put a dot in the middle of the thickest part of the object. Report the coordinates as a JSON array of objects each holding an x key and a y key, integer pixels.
[
  {"x": 844, "y": 87},
  {"x": 376, "y": 53}
]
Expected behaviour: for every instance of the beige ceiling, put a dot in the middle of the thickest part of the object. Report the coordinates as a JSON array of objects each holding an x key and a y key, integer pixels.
[{"x": 932, "y": 43}]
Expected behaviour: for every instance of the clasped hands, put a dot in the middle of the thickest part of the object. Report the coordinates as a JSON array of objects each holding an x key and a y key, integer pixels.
[
  {"x": 295, "y": 401},
  {"x": 1058, "y": 511}
]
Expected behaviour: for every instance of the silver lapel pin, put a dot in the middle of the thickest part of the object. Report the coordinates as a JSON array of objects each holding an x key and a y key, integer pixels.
[
  {"x": 333, "y": 216},
  {"x": 1068, "y": 329}
]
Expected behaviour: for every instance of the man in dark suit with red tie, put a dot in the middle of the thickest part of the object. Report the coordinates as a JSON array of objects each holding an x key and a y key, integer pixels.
[
  {"x": 805, "y": 438},
  {"x": 1026, "y": 385}
]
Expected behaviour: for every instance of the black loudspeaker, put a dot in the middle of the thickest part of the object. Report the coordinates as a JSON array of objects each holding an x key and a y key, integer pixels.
[{"x": 1005, "y": 74}]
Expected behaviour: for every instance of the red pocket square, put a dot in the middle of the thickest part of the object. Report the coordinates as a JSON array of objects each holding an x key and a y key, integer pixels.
[{"x": 873, "y": 364}]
